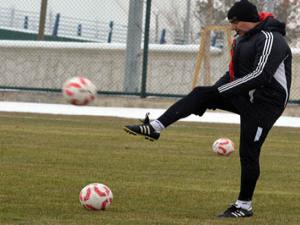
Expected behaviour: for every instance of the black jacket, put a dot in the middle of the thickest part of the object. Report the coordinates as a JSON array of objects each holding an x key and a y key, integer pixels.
[{"x": 262, "y": 65}]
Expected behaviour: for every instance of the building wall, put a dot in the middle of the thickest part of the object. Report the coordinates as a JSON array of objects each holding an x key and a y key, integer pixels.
[{"x": 46, "y": 65}]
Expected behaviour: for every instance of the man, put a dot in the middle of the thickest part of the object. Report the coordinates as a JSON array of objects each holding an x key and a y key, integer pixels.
[{"x": 256, "y": 87}]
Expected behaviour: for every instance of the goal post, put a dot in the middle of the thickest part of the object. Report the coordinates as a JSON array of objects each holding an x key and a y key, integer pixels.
[{"x": 203, "y": 56}]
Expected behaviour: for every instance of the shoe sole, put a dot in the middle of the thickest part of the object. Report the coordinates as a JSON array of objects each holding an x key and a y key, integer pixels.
[
  {"x": 232, "y": 217},
  {"x": 222, "y": 216},
  {"x": 137, "y": 134}
]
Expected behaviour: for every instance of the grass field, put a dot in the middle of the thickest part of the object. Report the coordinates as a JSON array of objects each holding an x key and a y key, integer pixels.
[{"x": 47, "y": 159}]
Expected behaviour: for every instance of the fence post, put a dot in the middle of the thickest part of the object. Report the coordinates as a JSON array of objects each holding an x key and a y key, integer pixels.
[
  {"x": 186, "y": 25},
  {"x": 12, "y": 17},
  {"x": 111, "y": 26},
  {"x": 56, "y": 25},
  {"x": 163, "y": 37},
  {"x": 50, "y": 22},
  {"x": 132, "y": 79},
  {"x": 43, "y": 15},
  {"x": 146, "y": 48},
  {"x": 79, "y": 29},
  {"x": 26, "y": 20}
]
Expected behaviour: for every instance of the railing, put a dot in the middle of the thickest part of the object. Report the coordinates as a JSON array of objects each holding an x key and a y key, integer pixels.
[
  {"x": 62, "y": 26},
  {"x": 19, "y": 19},
  {"x": 90, "y": 29},
  {"x": 74, "y": 28}
]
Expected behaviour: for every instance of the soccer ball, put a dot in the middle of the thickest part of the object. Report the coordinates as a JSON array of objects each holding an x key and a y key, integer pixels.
[
  {"x": 96, "y": 197},
  {"x": 223, "y": 146},
  {"x": 79, "y": 91}
]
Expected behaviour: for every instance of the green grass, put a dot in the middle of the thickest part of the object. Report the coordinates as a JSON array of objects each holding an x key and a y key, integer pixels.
[{"x": 45, "y": 160}]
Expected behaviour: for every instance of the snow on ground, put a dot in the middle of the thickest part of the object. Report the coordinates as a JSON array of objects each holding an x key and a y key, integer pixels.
[{"x": 123, "y": 112}]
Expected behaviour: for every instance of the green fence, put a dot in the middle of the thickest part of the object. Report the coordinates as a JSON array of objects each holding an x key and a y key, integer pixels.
[{"x": 6, "y": 34}]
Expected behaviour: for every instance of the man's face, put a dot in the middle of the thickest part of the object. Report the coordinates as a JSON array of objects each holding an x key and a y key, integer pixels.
[{"x": 241, "y": 27}]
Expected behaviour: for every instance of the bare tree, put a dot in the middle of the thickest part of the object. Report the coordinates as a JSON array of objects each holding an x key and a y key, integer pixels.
[
  {"x": 287, "y": 11},
  {"x": 175, "y": 20},
  {"x": 210, "y": 12},
  {"x": 214, "y": 12}
]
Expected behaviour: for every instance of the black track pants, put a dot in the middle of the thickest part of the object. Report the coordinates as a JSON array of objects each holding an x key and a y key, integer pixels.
[
  {"x": 196, "y": 102},
  {"x": 256, "y": 121}
]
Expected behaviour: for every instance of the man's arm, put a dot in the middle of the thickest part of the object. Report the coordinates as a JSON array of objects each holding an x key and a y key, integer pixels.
[
  {"x": 271, "y": 51},
  {"x": 223, "y": 80}
]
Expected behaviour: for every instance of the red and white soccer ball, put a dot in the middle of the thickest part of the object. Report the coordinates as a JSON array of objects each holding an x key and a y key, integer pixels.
[
  {"x": 223, "y": 146},
  {"x": 96, "y": 196},
  {"x": 79, "y": 91}
]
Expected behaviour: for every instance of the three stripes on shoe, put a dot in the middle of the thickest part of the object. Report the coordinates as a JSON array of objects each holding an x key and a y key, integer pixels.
[{"x": 145, "y": 129}]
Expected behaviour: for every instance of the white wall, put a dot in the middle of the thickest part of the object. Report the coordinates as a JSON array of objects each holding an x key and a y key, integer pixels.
[{"x": 49, "y": 64}]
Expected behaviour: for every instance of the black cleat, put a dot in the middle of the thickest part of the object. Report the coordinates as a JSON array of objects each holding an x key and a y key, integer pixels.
[
  {"x": 144, "y": 129},
  {"x": 236, "y": 212}
]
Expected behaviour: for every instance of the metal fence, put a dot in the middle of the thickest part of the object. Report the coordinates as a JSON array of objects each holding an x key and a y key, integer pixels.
[
  {"x": 164, "y": 28},
  {"x": 174, "y": 39},
  {"x": 63, "y": 26}
]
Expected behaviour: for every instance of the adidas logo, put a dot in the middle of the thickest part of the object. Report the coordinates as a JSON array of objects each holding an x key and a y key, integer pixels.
[{"x": 145, "y": 129}]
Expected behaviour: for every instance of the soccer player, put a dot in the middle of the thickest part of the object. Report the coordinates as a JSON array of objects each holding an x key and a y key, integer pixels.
[{"x": 256, "y": 86}]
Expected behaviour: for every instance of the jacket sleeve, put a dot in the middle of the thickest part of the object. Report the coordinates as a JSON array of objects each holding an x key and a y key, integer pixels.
[
  {"x": 270, "y": 52},
  {"x": 223, "y": 80}
]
